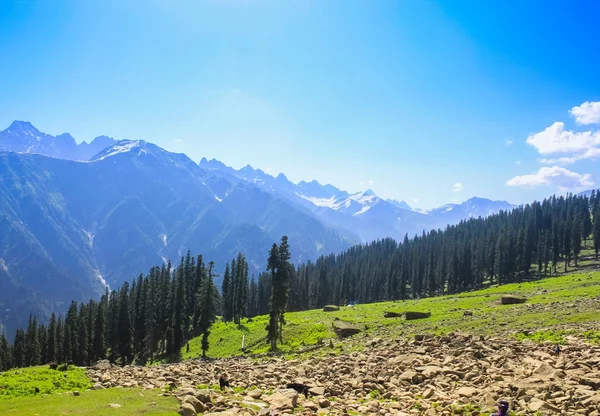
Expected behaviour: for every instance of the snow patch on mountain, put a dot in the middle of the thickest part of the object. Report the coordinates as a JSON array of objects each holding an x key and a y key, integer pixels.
[
  {"x": 122, "y": 146},
  {"x": 90, "y": 237},
  {"x": 101, "y": 279}
]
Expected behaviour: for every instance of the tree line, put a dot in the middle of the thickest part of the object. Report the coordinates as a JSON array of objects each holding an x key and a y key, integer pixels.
[
  {"x": 157, "y": 314},
  {"x": 154, "y": 315}
]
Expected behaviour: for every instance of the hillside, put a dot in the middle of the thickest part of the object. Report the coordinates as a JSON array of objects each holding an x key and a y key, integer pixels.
[
  {"x": 134, "y": 206},
  {"x": 434, "y": 366},
  {"x": 77, "y": 218}
]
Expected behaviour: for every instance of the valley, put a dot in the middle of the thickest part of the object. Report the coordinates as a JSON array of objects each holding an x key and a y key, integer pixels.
[
  {"x": 78, "y": 218},
  {"x": 461, "y": 360}
]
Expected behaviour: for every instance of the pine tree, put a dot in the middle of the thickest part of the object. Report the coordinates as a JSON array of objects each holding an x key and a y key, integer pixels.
[
  {"x": 279, "y": 266},
  {"x": 596, "y": 230},
  {"x": 82, "y": 338},
  {"x": 6, "y": 362},
  {"x": 98, "y": 348},
  {"x": 240, "y": 288},
  {"x": 576, "y": 237},
  {"x": 59, "y": 341},
  {"x": 227, "y": 289},
  {"x": 179, "y": 309},
  {"x": 252, "y": 298},
  {"x": 124, "y": 327},
  {"x": 32, "y": 343},
  {"x": 51, "y": 339},
  {"x": 208, "y": 314},
  {"x": 324, "y": 290}
]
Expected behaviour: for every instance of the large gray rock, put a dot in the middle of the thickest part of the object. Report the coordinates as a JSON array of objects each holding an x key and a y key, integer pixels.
[
  {"x": 285, "y": 399},
  {"x": 345, "y": 329}
]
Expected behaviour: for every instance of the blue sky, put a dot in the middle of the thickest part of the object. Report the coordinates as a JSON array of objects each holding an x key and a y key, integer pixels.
[{"x": 418, "y": 100}]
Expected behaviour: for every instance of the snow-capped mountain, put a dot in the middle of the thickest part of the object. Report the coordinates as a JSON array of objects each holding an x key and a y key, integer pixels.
[
  {"x": 362, "y": 214},
  {"x": 23, "y": 137}
]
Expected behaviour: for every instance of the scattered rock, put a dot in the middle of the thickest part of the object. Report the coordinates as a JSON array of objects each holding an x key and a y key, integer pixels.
[
  {"x": 345, "y": 329},
  {"x": 114, "y": 405},
  {"x": 187, "y": 409},
  {"x": 511, "y": 300},
  {"x": 409, "y": 316},
  {"x": 285, "y": 399},
  {"x": 393, "y": 314},
  {"x": 330, "y": 308}
]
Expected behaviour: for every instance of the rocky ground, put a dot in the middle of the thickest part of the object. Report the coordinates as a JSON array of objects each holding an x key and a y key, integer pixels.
[{"x": 455, "y": 374}]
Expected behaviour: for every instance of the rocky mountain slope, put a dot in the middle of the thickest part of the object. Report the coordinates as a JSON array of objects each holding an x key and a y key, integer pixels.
[{"x": 455, "y": 374}]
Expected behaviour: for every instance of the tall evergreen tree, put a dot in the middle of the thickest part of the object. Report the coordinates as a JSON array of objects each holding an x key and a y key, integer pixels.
[
  {"x": 208, "y": 314},
  {"x": 51, "y": 339}
]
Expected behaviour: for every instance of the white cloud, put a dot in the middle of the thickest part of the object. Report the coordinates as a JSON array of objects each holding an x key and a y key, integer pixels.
[
  {"x": 362, "y": 183},
  {"x": 555, "y": 139},
  {"x": 586, "y": 113},
  {"x": 562, "y": 178},
  {"x": 457, "y": 187},
  {"x": 178, "y": 141},
  {"x": 415, "y": 200},
  {"x": 268, "y": 170},
  {"x": 371, "y": 181},
  {"x": 517, "y": 162},
  {"x": 592, "y": 153},
  {"x": 508, "y": 141}
]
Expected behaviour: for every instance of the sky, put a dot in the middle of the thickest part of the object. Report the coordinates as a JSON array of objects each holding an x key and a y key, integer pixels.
[{"x": 419, "y": 100}]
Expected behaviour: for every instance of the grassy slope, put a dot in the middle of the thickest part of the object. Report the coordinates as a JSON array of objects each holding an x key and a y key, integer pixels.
[
  {"x": 93, "y": 402},
  {"x": 552, "y": 304},
  {"x": 23, "y": 381},
  {"x": 18, "y": 396}
]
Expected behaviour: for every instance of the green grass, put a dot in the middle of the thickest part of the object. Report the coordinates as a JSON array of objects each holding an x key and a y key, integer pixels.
[
  {"x": 552, "y": 303},
  {"x": 92, "y": 402},
  {"x": 24, "y": 381}
]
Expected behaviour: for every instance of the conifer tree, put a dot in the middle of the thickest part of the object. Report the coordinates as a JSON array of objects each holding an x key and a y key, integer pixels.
[
  {"x": 32, "y": 343},
  {"x": 208, "y": 314},
  {"x": 227, "y": 290},
  {"x": 576, "y": 237},
  {"x": 51, "y": 339},
  {"x": 81, "y": 357},
  {"x": 596, "y": 229},
  {"x": 98, "y": 348},
  {"x": 124, "y": 327}
]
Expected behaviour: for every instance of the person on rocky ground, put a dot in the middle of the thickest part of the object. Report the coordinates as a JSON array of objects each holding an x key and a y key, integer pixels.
[
  {"x": 502, "y": 407},
  {"x": 223, "y": 381},
  {"x": 557, "y": 350}
]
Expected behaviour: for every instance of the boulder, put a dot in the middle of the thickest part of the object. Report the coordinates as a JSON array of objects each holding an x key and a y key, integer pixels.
[
  {"x": 198, "y": 405},
  {"x": 468, "y": 391},
  {"x": 285, "y": 399},
  {"x": 330, "y": 308},
  {"x": 416, "y": 315},
  {"x": 345, "y": 329},
  {"x": 511, "y": 300},
  {"x": 317, "y": 391},
  {"x": 187, "y": 409},
  {"x": 392, "y": 314}
]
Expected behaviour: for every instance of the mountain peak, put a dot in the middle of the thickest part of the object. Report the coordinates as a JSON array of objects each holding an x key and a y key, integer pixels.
[
  {"x": 122, "y": 146},
  {"x": 281, "y": 177},
  {"x": 18, "y": 126}
]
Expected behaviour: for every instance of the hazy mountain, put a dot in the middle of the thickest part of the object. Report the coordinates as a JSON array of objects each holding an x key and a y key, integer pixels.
[
  {"x": 361, "y": 215},
  {"x": 399, "y": 204},
  {"x": 23, "y": 137},
  {"x": 68, "y": 226}
]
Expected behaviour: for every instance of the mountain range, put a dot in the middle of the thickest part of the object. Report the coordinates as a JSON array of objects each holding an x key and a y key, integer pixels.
[{"x": 76, "y": 218}]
